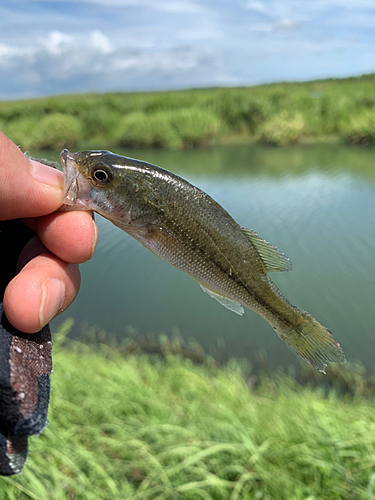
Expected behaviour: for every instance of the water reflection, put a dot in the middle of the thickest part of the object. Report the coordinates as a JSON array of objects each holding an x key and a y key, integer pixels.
[{"x": 315, "y": 203}]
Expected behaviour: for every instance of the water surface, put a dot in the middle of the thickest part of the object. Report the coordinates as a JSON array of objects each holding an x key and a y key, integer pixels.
[{"x": 316, "y": 204}]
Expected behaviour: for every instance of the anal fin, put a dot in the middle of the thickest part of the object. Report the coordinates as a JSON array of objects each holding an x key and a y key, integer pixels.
[{"x": 230, "y": 304}]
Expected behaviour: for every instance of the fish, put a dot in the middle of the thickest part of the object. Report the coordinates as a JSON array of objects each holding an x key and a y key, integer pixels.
[{"x": 184, "y": 226}]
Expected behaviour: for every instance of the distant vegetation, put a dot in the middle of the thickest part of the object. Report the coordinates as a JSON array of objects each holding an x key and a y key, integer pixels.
[
  {"x": 146, "y": 428},
  {"x": 276, "y": 114}
]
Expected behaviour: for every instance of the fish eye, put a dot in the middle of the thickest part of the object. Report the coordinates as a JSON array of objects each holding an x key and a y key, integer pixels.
[{"x": 101, "y": 176}]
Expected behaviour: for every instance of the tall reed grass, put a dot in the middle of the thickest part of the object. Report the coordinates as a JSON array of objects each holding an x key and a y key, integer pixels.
[
  {"x": 146, "y": 428},
  {"x": 278, "y": 114}
]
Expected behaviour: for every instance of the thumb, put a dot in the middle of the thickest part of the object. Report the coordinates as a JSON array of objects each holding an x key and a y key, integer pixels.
[{"x": 27, "y": 188}]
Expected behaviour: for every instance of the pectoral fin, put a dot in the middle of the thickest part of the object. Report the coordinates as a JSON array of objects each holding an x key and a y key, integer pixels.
[
  {"x": 272, "y": 258},
  {"x": 230, "y": 304}
]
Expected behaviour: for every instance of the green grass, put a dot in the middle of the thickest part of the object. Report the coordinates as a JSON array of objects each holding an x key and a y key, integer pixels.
[
  {"x": 278, "y": 114},
  {"x": 175, "y": 129},
  {"x": 282, "y": 129},
  {"x": 142, "y": 427}
]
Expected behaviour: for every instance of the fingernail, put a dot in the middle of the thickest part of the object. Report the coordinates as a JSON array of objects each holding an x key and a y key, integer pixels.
[
  {"x": 53, "y": 296},
  {"x": 94, "y": 239},
  {"x": 47, "y": 175}
]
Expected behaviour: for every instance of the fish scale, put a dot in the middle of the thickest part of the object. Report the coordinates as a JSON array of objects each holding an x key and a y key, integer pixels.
[{"x": 187, "y": 228}]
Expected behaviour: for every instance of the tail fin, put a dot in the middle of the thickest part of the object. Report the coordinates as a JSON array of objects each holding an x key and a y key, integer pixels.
[{"x": 314, "y": 343}]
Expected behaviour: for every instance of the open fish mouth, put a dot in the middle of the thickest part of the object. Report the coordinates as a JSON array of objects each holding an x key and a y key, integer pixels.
[
  {"x": 70, "y": 177},
  {"x": 76, "y": 188}
]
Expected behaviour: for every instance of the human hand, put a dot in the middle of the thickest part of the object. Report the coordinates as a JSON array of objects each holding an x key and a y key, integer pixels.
[{"x": 48, "y": 278}]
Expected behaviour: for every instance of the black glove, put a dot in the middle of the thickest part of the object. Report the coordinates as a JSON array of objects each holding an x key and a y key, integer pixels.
[{"x": 25, "y": 365}]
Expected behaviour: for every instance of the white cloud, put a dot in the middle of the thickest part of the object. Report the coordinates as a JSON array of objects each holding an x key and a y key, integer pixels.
[
  {"x": 181, "y": 7},
  {"x": 348, "y": 4},
  {"x": 261, "y": 27},
  {"x": 305, "y": 9},
  {"x": 56, "y": 42},
  {"x": 173, "y": 61},
  {"x": 7, "y": 52},
  {"x": 101, "y": 42},
  {"x": 286, "y": 25},
  {"x": 146, "y": 44},
  {"x": 60, "y": 62},
  {"x": 255, "y": 5},
  {"x": 176, "y": 6},
  {"x": 57, "y": 56}
]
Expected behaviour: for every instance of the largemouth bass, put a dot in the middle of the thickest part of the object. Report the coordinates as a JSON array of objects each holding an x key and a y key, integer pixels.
[{"x": 184, "y": 226}]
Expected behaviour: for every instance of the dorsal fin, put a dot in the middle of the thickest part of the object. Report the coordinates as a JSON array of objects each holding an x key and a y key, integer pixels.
[{"x": 273, "y": 259}]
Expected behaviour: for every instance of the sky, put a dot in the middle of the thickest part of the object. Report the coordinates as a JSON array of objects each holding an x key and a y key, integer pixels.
[{"x": 55, "y": 47}]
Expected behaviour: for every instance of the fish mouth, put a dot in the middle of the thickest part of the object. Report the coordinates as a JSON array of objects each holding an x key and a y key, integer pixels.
[{"x": 76, "y": 191}]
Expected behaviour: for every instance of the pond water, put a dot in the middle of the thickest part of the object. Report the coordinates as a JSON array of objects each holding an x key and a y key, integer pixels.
[{"x": 315, "y": 203}]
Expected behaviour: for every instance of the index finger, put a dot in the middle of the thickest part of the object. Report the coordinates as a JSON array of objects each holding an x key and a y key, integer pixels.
[{"x": 27, "y": 188}]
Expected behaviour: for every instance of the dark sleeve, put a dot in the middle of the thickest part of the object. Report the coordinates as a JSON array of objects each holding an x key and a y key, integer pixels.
[{"x": 25, "y": 365}]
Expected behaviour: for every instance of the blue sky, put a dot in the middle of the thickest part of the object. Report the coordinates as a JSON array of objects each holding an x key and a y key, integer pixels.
[{"x": 52, "y": 47}]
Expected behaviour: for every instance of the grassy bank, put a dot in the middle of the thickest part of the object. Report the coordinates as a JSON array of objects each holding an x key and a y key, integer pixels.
[
  {"x": 276, "y": 114},
  {"x": 150, "y": 428}
]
